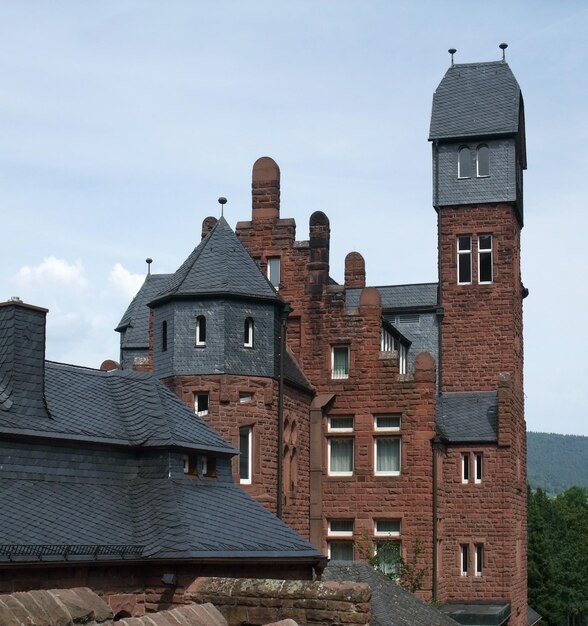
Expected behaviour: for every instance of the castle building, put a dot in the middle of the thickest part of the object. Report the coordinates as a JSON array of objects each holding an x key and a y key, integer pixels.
[{"x": 373, "y": 416}]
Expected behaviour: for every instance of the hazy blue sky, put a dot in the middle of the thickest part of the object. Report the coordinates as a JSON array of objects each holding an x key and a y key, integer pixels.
[{"x": 121, "y": 122}]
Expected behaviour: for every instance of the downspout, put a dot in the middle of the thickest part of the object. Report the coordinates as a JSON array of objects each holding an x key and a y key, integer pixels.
[
  {"x": 286, "y": 310},
  {"x": 439, "y": 288},
  {"x": 434, "y": 443}
]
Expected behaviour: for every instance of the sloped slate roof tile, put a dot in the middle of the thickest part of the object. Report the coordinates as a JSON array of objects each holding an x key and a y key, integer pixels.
[
  {"x": 468, "y": 416},
  {"x": 399, "y": 296},
  {"x": 219, "y": 265},
  {"x": 476, "y": 99}
]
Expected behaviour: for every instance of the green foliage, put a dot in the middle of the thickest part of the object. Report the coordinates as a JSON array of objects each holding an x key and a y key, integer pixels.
[
  {"x": 557, "y": 462},
  {"x": 386, "y": 557},
  {"x": 558, "y": 556}
]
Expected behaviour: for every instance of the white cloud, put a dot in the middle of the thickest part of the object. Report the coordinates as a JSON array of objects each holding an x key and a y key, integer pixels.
[
  {"x": 124, "y": 281},
  {"x": 52, "y": 272}
]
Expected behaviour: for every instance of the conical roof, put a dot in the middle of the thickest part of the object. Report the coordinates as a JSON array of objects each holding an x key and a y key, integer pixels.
[{"x": 219, "y": 265}]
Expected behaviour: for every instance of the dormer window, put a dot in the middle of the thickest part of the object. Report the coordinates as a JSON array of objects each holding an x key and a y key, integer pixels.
[
  {"x": 164, "y": 336},
  {"x": 201, "y": 330},
  {"x": 464, "y": 163},
  {"x": 248, "y": 334},
  {"x": 483, "y": 161}
]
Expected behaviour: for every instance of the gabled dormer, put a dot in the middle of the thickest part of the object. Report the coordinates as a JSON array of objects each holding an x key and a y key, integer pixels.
[
  {"x": 217, "y": 314},
  {"x": 478, "y": 134}
]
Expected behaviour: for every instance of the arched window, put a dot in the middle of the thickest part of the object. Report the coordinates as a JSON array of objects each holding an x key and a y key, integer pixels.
[
  {"x": 201, "y": 330},
  {"x": 464, "y": 163},
  {"x": 164, "y": 336},
  {"x": 248, "y": 334},
  {"x": 483, "y": 160}
]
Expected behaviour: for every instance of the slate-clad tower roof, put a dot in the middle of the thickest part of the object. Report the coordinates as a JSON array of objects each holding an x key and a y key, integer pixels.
[
  {"x": 219, "y": 265},
  {"x": 476, "y": 99}
]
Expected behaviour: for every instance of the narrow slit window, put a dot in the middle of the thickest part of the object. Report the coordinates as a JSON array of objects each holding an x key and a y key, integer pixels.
[
  {"x": 479, "y": 467},
  {"x": 464, "y": 163},
  {"x": 464, "y": 260},
  {"x": 479, "y": 559},
  {"x": 483, "y": 161},
  {"x": 485, "y": 259},
  {"x": 164, "y": 336},
  {"x": 201, "y": 404},
  {"x": 245, "y": 448},
  {"x": 248, "y": 333},
  {"x": 465, "y": 468},
  {"x": 201, "y": 330},
  {"x": 464, "y": 559}
]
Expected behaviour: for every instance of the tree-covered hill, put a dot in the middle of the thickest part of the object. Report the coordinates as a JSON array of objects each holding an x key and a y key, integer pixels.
[{"x": 556, "y": 462}]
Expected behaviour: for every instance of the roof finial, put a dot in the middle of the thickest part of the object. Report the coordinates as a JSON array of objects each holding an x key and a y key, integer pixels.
[
  {"x": 222, "y": 201},
  {"x": 148, "y": 261},
  {"x": 503, "y": 47},
  {"x": 452, "y": 51}
]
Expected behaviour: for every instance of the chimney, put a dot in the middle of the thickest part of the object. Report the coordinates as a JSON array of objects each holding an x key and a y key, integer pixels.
[
  {"x": 265, "y": 189},
  {"x": 22, "y": 359}
]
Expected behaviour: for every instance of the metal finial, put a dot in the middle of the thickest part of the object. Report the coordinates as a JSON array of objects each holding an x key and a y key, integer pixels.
[
  {"x": 452, "y": 51},
  {"x": 222, "y": 201},
  {"x": 503, "y": 47},
  {"x": 148, "y": 261}
]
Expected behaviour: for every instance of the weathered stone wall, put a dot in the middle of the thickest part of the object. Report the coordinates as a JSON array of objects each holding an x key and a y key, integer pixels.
[{"x": 256, "y": 602}]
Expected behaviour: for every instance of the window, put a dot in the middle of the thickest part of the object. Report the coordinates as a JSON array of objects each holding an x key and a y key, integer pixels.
[
  {"x": 341, "y": 528},
  {"x": 340, "y": 550},
  {"x": 485, "y": 259},
  {"x": 245, "y": 445},
  {"x": 464, "y": 260},
  {"x": 387, "y": 528},
  {"x": 339, "y": 362},
  {"x": 340, "y": 454},
  {"x": 465, "y": 468},
  {"x": 388, "y": 555},
  {"x": 482, "y": 161},
  {"x": 273, "y": 271},
  {"x": 402, "y": 354},
  {"x": 479, "y": 559},
  {"x": 209, "y": 466},
  {"x": 248, "y": 334},
  {"x": 479, "y": 462},
  {"x": 464, "y": 163},
  {"x": 386, "y": 341},
  {"x": 201, "y": 330},
  {"x": 387, "y": 449},
  {"x": 464, "y": 558},
  {"x": 201, "y": 404},
  {"x": 164, "y": 336},
  {"x": 244, "y": 398},
  {"x": 389, "y": 343}
]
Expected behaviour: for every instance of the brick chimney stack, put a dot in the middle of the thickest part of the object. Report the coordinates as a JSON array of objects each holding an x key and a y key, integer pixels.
[{"x": 265, "y": 189}]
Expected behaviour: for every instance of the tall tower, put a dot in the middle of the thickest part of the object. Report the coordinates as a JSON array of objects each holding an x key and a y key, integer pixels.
[{"x": 478, "y": 139}]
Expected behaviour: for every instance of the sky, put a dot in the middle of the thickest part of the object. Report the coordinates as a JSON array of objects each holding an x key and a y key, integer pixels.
[{"x": 123, "y": 121}]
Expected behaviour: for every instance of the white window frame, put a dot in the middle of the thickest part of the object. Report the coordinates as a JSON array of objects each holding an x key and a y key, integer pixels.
[
  {"x": 333, "y": 427},
  {"x": 248, "y": 479},
  {"x": 200, "y": 326},
  {"x": 345, "y": 374},
  {"x": 478, "y": 175},
  {"x": 340, "y": 533},
  {"x": 347, "y": 543},
  {"x": 488, "y": 251},
  {"x": 389, "y": 568},
  {"x": 387, "y": 429},
  {"x": 378, "y": 532},
  {"x": 274, "y": 266},
  {"x": 198, "y": 395},
  {"x": 249, "y": 333},
  {"x": 386, "y": 341},
  {"x": 466, "y": 469},
  {"x": 478, "y": 467},
  {"x": 464, "y": 559},
  {"x": 245, "y": 397},
  {"x": 478, "y": 559},
  {"x": 464, "y": 252},
  {"x": 378, "y": 472},
  {"x": 459, "y": 153}
]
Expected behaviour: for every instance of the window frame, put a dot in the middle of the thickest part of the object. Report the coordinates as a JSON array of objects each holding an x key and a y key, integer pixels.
[
  {"x": 347, "y": 431},
  {"x": 464, "y": 559},
  {"x": 164, "y": 336},
  {"x": 480, "y": 147},
  {"x": 248, "y": 332},
  {"x": 340, "y": 533},
  {"x": 274, "y": 263},
  {"x": 465, "y": 150},
  {"x": 486, "y": 252},
  {"x": 478, "y": 468},
  {"x": 197, "y": 396},
  {"x": 387, "y": 533},
  {"x": 461, "y": 253},
  {"x": 200, "y": 334},
  {"x": 249, "y": 458},
  {"x": 465, "y": 468},
  {"x": 345, "y": 374},
  {"x": 389, "y": 568},
  {"x": 340, "y": 543},
  {"x": 478, "y": 560},
  {"x": 395, "y": 472}
]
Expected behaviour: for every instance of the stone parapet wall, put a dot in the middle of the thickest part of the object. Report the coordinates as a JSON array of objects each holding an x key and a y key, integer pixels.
[{"x": 256, "y": 602}]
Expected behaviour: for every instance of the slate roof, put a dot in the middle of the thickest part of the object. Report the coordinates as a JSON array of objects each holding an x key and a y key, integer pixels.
[
  {"x": 122, "y": 407},
  {"x": 423, "y": 295},
  {"x": 293, "y": 373},
  {"x": 135, "y": 321},
  {"x": 151, "y": 518},
  {"x": 219, "y": 265},
  {"x": 391, "y": 604},
  {"x": 476, "y": 99},
  {"x": 468, "y": 416}
]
